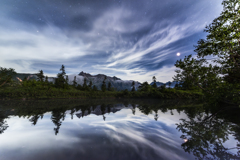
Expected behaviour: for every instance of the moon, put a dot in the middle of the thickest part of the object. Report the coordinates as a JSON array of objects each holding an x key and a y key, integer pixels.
[{"x": 178, "y": 54}]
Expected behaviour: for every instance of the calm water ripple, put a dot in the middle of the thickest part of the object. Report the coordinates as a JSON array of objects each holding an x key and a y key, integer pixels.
[{"x": 127, "y": 129}]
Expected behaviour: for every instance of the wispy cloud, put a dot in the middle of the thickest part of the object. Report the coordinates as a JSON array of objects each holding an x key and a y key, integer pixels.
[{"x": 125, "y": 39}]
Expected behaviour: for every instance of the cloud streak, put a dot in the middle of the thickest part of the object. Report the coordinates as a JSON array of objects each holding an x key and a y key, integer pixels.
[{"x": 134, "y": 39}]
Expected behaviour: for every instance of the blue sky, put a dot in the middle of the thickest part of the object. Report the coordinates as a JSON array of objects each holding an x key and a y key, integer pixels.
[{"x": 133, "y": 40}]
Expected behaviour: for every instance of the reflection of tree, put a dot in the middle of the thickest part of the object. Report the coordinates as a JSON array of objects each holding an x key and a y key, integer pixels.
[
  {"x": 146, "y": 109},
  {"x": 109, "y": 109},
  {"x": 125, "y": 104},
  {"x": 133, "y": 109},
  {"x": 57, "y": 116},
  {"x": 72, "y": 112},
  {"x": 34, "y": 119},
  {"x": 205, "y": 134},
  {"x": 156, "y": 114},
  {"x": 3, "y": 124},
  {"x": 103, "y": 109}
]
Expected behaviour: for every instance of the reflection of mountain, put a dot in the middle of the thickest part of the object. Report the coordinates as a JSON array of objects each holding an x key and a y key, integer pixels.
[{"x": 99, "y": 111}]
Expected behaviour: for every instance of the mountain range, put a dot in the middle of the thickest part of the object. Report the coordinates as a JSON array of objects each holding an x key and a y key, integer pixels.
[
  {"x": 97, "y": 80},
  {"x": 172, "y": 84}
]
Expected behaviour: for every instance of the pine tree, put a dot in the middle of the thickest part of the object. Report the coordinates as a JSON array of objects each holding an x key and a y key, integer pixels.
[
  {"x": 95, "y": 88},
  {"x": 60, "y": 80},
  {"x": 133, "y": 86},
  {"x": 109, "y": 86},
  {"x": 67, "y": 79},
  {"x": 169, "y": 84},
  {"x": 75, "y": 81},
  {"x": 154, "y": 82},
  {"x": 103, "y": 87},
  {"x": 63, "y": 70},
  {"x": 90, "y": 85},
  {"x": 85, "y": 87},
  {"x": 46, "y": 79},
  {"x": 25, "y": 79},
  {"x": 40, "y": 76}
]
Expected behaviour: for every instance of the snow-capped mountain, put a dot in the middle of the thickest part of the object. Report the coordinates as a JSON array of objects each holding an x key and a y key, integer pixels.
[
  {"x": 97, "y": 80},
  {"x": 172, "y": 84}
]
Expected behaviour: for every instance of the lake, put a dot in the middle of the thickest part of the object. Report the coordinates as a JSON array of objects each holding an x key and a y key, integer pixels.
[{"x": 118, "y": 129}]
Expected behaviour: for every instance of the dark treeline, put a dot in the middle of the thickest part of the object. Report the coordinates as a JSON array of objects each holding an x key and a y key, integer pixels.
[{"x": 60, "y": 87}]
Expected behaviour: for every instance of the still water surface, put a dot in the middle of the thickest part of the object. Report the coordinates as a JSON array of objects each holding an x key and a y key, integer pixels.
[{"x": 127, "y": 129}]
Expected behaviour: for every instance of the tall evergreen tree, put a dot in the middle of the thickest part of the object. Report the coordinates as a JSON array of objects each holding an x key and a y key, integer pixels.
[
  {"x": 75, "y": 81},
  {"x": 60, "y": 80},
  {"x": 63, "y": 70},
  {"x": 133, "y": 86},
  {"x": 95, "y": 88},
  {"x": 169, "y": 84},
  {"x": 144, "y": 86},
  {"x": 109, "y": 86},
  {"x": 46, "y": 79},
  {"x": 40, "y": 76},
  {"x": 103, "y": 87},
  {"x": 90, "y": 84},
  {"x": 67, "y": 79},
  {"x": 85, "y": 87},
  {"x": 25, "y": 79},
  {"x": 154, "y": 82}
]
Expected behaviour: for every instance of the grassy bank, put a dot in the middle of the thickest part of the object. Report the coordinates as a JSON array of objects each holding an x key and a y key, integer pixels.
[{"x": 56, "y": 93}]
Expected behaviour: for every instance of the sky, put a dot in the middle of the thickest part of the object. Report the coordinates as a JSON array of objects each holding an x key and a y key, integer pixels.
[{"x": 129, "y": 39}]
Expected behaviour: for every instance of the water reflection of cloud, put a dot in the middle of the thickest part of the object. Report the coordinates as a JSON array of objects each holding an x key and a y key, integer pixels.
[
  {"x": 136, "y": 131},
  {"x": 122, "y": 136}
]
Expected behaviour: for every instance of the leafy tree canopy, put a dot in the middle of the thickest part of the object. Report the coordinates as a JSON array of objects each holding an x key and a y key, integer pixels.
[{"x": 216, "y": 67}]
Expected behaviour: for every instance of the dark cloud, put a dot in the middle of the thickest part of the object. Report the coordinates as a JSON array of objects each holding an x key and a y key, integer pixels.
[{"x": 129, "y": 38}]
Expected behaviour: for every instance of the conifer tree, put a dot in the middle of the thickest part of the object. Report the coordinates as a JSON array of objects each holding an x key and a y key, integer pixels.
[
  {"x": 169, "y": 84},
  {"x": 66, "y": 80},
  {"x": 63, "y": 70},
  {"x": 60, "y": 80},
  {"x": 25, "y": 79},
  {"x": 85, "y": 84},
  {"x": 133, "y": 86},
  {"x": 46, "y": 79},
  {"x": 103, "y": 87},
  {"x": 40, "y": 76},
  {"x": 90, "y": 85},
  {"x": 95, "y": 88},
  {"x": 154, "y": 82},
  {"x": 75, "y": 81},
  {"x": 109, "y": 86}
]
